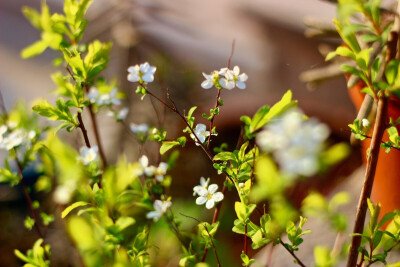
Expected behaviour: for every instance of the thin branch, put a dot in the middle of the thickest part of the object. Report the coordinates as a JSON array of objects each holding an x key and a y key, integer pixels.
[
  {"x": 174, "y": 109},
  {"x": 212, "y": 243},
  {"x": 245, "y": 239},
  {"x": 83, "y": 129},
  {"x": 299, "y": 262},
  {"x": 372, "y": 161},
  {"x": 97, "y": 137},
  {"x": 219, "y": 95}
]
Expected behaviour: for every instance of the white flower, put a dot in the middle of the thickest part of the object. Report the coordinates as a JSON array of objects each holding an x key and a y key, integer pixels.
[
  {"x": 158, "y": 172},
  {"x": 210, "y": 79},
  {"x": 229, "y": 81},
  {"x": 139, "y": 128},
  {"x": 232, "y": 78},
  {"x": 104, "y": 99},
  {"x": 160, "y": 208},
  {"x": 141, "y": 73},
  {"x": 122, "y": 114},
  {"x": 294, "y": 142},
  {"x": 239, "y": 79},
  {"x": 88, "y": 155},
  {"x": 203, "y": 185},
  {"x": 201, "y": 133},
  {"x": 365, "y": 123},
  {"x": 62, "y": 194},
  {"x": 151, "y": 171},
  {"x": 209, "y": 196}
]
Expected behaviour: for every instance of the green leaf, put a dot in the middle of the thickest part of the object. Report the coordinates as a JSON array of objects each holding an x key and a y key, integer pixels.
[
  {"x": 52, "y": 39},
  {"x": 347, "y": 35},
  {"x": 344, "y": 51},
  {"x": 190, "y": 113},
  {"x": 167, "y": 145},
  {"x": 124, "y": 222},
  {"x": 224, "y": 156},
  {"x": 375, "y": 68},
  {"x": 82, "y": 233},
  {"x": 244, "y": 211},
  {"x": 368, "y": 38},
  {"x": 391, "y": 71},
  {"x": 7, "y": 176},
  {"x": 29, "y": 222},
  {"x": 32, "y": 15},
  {"x": 73, "y": 206},
  {"x": 34, "y": 49},
  {"x": 46, "y": 218},
  {"x": 246, "y": 120},
  {"x": 76, "y": 63},
  {"x": 330, "y": 55},
  {"x": 363, "y": 58}
]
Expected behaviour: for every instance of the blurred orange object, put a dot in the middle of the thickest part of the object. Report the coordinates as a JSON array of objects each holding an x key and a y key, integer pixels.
[{"x": 386, "y": 188}]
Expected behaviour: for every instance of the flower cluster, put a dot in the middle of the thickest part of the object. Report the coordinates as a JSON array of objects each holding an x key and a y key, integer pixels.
[
  {"x": 152, "y": 171},
  {"x": 207, "y": 194},
  {"x": 12, "y": 137},
  {"x": 107, "y": 99},
  {"x": 225, "y": 78},
  {"x": 141, "y": 73},
  {"x": 295, "y": 142}
]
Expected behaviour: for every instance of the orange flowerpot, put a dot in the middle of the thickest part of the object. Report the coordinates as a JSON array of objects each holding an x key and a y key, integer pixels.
[{"x": 386, "y": 187}]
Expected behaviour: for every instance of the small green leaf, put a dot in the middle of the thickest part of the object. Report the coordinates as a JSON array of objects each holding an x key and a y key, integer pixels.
[
  {"x": 344, "y": 51},
  {"x": 391, "y": 71},
  {"x": 167, "y": 145},
  {"x": 224, "y": 156},
  {"x": 33, "y": 16},
  {"x": 34, "y": 49},
  {"x": 73, "y": 206}
]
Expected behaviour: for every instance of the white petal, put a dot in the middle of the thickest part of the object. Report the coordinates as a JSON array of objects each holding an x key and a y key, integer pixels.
[
  {"x": 158, "y": 205},
  {"x": 133, "y": 69},
  {"x": 200, "y": 127},
  {"x": 144, "y": 161},
  {"x": 133, "y": 77},
  {"x": 241, "y": 85},
  {"x": 236, "y": 70},
  {"x": 144, "y": 67},
  {"x": 213, "y": 188},
  {"x": 201, "y": 200},
  {"x": 148, "y": 77},
  {"x": 204, "y": 182},
  {"x": 243, "y": 77},
  {"x": 210, "y": 204},
  {"x": 160, "y": 177},
  {"x": 207, "y": 84},
  {"x": 222, "y": 71},
  {"x": 202, "y": 192},
  {"x": 229, "y": 75},
  {"x": 218, "y": 196},
  {"x": 153, "y": 215},
  {"x": 162, "y": 168},
  {"x": 152, "y": 70}
]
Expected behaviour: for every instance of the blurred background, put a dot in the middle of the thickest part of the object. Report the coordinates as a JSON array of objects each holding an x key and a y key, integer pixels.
[{"x": 183, "y": 39}]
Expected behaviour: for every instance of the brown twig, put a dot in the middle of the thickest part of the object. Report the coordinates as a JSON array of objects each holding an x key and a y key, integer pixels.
[
  {"x": 299, "y": 262},
  {"x": 83, "y": 129},
  {"x": 97, "y": 136},
  {"x": 372, "y": 161},
  {"x": 175, "y": 110}
]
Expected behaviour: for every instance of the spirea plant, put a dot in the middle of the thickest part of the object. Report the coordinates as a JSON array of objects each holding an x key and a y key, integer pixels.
[{"x": 115, "y": 214}]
